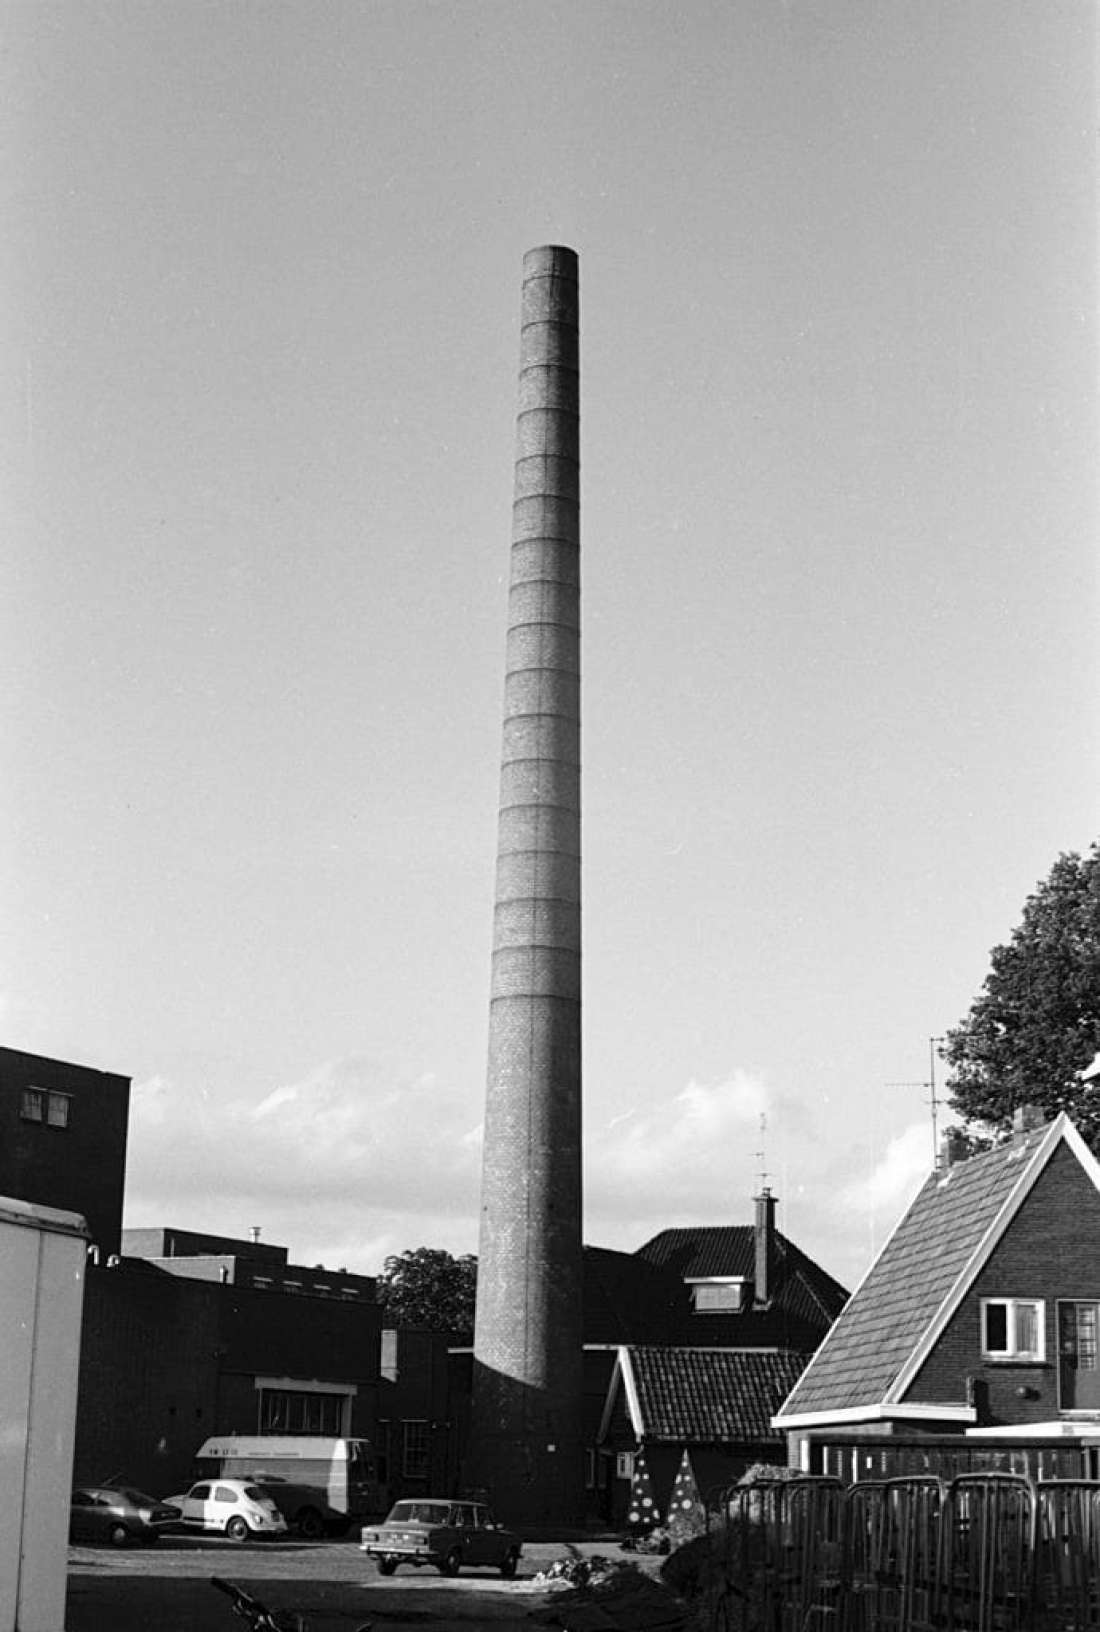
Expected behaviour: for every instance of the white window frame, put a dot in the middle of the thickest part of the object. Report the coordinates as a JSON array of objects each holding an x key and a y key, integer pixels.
[
  {"x": 1011, "y": 1351},
  {"x": 719, "y": 1294}
]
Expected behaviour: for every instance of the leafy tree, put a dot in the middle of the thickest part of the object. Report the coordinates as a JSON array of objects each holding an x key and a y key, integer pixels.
[
  {"x": 427, "y": 1287},
  {"x": 1036, "y": 1023}
]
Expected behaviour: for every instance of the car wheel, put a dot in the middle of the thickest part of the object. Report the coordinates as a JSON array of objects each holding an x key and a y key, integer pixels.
[
  {"x": 237, "y": 1529},
  {"x": 386, "y": 1566},
  {"x": 508, "y": 1564},
  {"x": 452, "y": 1563},
  {"x": 310, "y": 1524},
  {"x": 118, "y": 1535}
]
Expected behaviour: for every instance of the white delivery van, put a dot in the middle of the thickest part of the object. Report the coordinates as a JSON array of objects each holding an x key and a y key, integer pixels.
[{"x": 319, "y": 1485}]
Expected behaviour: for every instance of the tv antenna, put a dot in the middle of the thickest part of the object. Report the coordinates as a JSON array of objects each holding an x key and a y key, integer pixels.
[
  {"x": 761, "y": 1154},
  {"x": 932, "y": 1101}
]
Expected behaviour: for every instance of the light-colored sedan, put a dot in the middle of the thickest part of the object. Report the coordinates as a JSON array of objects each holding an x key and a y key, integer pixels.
[
  {"x": 235, "y": 1507},
  {"x": 446, "y": 1534}
]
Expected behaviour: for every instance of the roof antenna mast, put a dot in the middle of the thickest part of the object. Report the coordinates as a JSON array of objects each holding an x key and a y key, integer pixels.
[
  {"x": 761, "y": 1154},
  {"x": 932, "y": 1101}
]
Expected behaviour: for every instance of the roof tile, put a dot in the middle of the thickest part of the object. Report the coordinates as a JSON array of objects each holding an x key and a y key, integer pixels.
[
  {"x": 894, "y": 1306},
  {"x": 712, "y": 1396}
]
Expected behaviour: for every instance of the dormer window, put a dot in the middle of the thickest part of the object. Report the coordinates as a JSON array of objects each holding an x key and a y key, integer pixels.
[{"x": 720, "y": 1294}]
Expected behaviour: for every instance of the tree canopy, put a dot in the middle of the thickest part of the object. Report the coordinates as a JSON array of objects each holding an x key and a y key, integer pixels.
[
  {"x": 426, "y": 1286},
  {"x": 1035, "y": 1025}
]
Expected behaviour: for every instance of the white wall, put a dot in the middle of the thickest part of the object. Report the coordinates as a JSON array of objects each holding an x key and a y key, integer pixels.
[{"x": 42, "y": 1259}]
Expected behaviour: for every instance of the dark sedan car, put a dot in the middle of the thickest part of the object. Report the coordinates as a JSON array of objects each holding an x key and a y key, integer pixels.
[
  {"x": 444, "y": 1533},
  {"x": 118, "y": 1514}
]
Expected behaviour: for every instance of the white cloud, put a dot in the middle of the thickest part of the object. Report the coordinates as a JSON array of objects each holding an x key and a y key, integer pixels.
[
  {"x": 353, "y": 1162},
  {"x": 896, "y": 1177},
  {"x": 343, "y": 1167},
  {"x": 693, "y": 1158}
]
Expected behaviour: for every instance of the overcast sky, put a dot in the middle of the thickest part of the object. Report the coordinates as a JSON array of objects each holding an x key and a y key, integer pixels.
[{"x": 261, "y": 267}]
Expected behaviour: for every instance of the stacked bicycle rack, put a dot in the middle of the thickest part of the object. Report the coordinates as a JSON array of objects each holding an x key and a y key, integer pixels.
[{"x": 983, "y": 1552}]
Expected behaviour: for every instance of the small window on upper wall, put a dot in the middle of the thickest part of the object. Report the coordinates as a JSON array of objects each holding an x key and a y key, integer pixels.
[
  {"x": 32, "y": 1105},
  {"x": 57, "y": 1110},
  {"x": 1013, "y": 1328}
]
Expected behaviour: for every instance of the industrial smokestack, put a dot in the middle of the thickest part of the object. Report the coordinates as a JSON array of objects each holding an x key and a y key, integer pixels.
[{"x": 526, "y": 1439}]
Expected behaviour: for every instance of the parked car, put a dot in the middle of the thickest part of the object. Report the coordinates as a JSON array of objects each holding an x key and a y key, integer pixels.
[
  {"x": 303, "y": 1507},
  {"x": 236, "y": 1507},
  {"x": 444, "y": 1533},
  {"x": 118, "y": 1514}
]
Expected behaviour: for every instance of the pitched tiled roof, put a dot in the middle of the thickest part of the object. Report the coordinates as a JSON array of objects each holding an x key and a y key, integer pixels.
[
  {"x": 731, "y": 1250},
  {"x": 933, "y": 1250},
  {"x": 627, "y": 1300},
  {"x": 711, "y": 1396}
]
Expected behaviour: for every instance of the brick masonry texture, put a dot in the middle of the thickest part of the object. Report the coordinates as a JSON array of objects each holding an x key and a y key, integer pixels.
[{"x": 526, "y": 1421}]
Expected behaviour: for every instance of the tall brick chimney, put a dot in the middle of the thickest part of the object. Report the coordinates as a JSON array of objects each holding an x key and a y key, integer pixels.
[
  {"x": 764, "y": 1230},
  {"x": 525, "y": 1443}
]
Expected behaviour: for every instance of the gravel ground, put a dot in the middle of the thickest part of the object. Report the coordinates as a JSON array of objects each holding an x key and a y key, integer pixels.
[{"x": 167, "y": 1588}]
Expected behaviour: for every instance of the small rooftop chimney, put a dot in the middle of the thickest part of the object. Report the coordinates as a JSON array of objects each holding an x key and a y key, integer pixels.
[
  {"x": 254, "y": 1234},
  {"x": 954, "y": 1148},
  {"x": 1026, "y": 1118},
  {"x": 764, "y": 1230}
]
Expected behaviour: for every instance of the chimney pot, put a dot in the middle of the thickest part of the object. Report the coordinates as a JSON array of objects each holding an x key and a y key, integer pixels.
[{"x": 953, "y": 1148}]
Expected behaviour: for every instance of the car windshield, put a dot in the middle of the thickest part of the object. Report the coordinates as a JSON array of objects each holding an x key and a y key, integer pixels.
[
  {"x": 420, "y": 1513},
  {"x": 137, "y": 1498}
]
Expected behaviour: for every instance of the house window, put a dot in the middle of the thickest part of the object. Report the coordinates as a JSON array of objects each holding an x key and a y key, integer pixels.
[
  {"x": 414, "y": 1450},
  {"x": 717, "y": 1297},
  {"x": 57, "y": 1110},
  {"x": 297, "y": 1411},
  {"x": 42, "y": 1105},
  {"x": 388, "y": 1357},
  {"x": 624, "y": 1464},
  {"x": 1013, "y": 1328}
]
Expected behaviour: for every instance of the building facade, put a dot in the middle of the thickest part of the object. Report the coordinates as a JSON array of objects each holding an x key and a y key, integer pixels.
[{"x": 63, "y": 1140}]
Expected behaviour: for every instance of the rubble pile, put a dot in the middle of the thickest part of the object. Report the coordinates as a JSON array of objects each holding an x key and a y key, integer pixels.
[{"x": 605, "y": 1596}]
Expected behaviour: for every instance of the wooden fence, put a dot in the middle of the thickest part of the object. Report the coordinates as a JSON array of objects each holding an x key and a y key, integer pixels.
[{"x": 978, "y": 1553}]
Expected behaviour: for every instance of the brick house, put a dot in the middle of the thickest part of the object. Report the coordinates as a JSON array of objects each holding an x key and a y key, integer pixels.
[
  {"x": 63, "y": 1140},
  {"x": 743, "y": 1309},
  {"x": 982, "y": 1311},
  {"x": 723, "y": 1317},
  {"x": 716, "y": 1404}
]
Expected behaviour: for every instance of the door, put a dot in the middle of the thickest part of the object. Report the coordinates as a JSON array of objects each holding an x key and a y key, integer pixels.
[
  {"x": 193, "y": 1507},
  {"x": 1079, "y": 1356}
]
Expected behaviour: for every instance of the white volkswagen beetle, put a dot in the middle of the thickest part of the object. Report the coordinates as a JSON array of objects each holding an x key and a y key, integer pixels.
[{"x": 236, "y": 1507}]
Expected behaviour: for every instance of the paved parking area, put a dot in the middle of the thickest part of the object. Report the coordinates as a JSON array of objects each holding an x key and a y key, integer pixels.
[{"x": 167, "y": 1588}]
